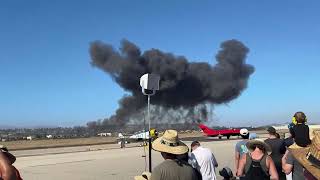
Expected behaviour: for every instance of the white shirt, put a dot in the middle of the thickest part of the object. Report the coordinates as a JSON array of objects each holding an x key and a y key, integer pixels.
[{"x": 203, "y": 160}]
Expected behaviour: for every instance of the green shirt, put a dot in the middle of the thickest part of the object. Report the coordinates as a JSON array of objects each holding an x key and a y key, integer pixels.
[{"x": 172, "y": 170}]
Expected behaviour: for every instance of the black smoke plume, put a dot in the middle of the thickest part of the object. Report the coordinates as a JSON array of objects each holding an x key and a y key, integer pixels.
[{"x": 183, "y": 84}]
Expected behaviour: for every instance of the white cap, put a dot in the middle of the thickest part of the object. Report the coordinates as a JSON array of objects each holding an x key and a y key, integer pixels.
[{"x": 244, "y": 132}]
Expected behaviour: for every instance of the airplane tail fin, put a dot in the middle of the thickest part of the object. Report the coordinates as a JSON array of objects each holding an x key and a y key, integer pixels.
[{"x": 203, "y": 127}]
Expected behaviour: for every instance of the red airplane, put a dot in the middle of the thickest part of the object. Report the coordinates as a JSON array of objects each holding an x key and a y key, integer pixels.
[{"x": 223, "y": 132}]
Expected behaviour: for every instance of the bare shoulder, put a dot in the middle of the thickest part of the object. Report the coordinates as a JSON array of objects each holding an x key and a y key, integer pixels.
[
  {"x": 268, "y": 160},
  {"x": 3, "y": 158}
]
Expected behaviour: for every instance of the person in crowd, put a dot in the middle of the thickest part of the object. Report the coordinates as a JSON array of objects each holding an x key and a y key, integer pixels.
[
  {"x": 172, "y": 168},
  {"x": 303, "y": 162},
  {"x": 241, "y": 147},
  {"x": 288, "y": 142},
  {"x": 253, "y": 136},
  {"x": 278, "y": 149},
  {"x": 185, "y": 158},
  {"x": 203, "y": 160},
  {"x": 7, "y": 170},
  {"x": 227, "y": 174},
  {"x": 300, "y": 131},
  {"x": 257, "y": 164},
  {"x": 288, "y": 161}
]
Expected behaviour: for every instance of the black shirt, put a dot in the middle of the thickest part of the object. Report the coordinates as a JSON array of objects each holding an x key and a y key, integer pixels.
[
  {"x": 288, "y": 141},
  {"x": 301, "y": 135},
  {"x": 278, "y": 149}
]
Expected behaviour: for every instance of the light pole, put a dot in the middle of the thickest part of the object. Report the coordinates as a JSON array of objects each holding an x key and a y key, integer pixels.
[{"x": 149, "y": 85}]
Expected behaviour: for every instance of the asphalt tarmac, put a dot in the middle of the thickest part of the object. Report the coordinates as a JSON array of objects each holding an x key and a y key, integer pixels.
[{"x": 107, "y": 162}]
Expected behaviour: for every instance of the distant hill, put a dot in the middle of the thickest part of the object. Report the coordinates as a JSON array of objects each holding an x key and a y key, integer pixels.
[{"x": 6, "y": 127}]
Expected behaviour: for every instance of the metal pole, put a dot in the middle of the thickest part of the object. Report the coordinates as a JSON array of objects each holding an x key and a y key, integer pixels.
[
  {"x": 145, "y": 141},
  {"x": 149, "y": 112},
  {"x": 150, "y": 145}
]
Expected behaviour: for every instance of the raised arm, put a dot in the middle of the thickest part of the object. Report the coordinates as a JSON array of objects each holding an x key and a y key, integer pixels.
[{"x": 6, "y": 169}]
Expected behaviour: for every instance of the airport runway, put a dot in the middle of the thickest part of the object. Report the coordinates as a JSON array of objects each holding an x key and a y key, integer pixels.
[{"x": 110, "y": 164}]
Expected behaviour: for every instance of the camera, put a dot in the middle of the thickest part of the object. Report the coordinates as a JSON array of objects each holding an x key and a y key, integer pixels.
[{"x": 149, "y": 83}]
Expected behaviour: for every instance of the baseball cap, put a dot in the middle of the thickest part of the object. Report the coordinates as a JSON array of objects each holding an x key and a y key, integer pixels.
[{"x": 244, "y": 132}]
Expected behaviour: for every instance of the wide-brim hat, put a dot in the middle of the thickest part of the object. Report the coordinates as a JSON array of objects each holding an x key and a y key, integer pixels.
[
  {"x": 309, "y": 157},
  {"x": 170, "y": 143},
  {"x": 5, "y": 151},
  {"x": 145, "y": 176},
  {"x": 251, "y": 145}
]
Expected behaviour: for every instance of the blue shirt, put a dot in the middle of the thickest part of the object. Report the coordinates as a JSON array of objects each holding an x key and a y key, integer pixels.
[{"x": 241, "y": 147}]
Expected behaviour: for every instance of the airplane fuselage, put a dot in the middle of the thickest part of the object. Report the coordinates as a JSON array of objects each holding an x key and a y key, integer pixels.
[{"x": 219, "y": 133}]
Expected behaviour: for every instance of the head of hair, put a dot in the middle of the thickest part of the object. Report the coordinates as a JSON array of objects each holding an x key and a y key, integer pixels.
[
  {"x": 300, "y": 117},
  {"x": 272, "y": 131},
  {"x": 168, "y": 155},
  {"x": 245, "y": 136},
  {"x": 183, "y": 157},
  {"x": 259, "y": 146},
  {"x": 195, "y": 143}
]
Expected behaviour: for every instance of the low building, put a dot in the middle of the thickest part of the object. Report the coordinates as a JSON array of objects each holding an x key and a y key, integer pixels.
[{"x": 104, "y": 134}]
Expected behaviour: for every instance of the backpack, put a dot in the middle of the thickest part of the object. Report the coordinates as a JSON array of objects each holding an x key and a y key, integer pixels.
[{"x": 256, "y": 169}]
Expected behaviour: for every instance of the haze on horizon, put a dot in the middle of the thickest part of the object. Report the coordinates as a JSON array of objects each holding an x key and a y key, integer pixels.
[{"x": 47, "y": 80}]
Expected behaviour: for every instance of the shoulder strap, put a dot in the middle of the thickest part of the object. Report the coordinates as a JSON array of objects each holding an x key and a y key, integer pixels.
[
  {"x": 263, "y": 163},
  {"x": 248, "y": 163}
]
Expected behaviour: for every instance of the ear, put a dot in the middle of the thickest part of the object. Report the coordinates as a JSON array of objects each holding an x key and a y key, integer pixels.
[{"x": 294, "y": 120}]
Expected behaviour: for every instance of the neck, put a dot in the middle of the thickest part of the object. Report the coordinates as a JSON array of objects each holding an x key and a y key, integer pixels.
[
  {"x": 172, "y": 158},
  {"x": 194, "y": 147},
  {"x": 168, "y": 156}
]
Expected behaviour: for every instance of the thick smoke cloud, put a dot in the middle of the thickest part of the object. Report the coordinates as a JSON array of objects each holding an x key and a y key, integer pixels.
[{"x": 183, "y": 84}]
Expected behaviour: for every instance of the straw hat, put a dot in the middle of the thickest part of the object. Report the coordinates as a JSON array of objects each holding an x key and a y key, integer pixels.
[
  {"x": 251, "y": 145},
  {"x": 309, "y": 157},
  {"x": 5, "y": 151},
  {"x": 170, "y": 143},
  {"x": 145, "y": 176}
]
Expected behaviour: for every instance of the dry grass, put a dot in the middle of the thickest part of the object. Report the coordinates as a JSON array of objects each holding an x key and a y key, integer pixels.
[{"x": 53, "y": 143}]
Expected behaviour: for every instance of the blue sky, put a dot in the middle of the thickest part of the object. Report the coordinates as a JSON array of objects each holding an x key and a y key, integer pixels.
[{"x": 46, "y": 78}]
